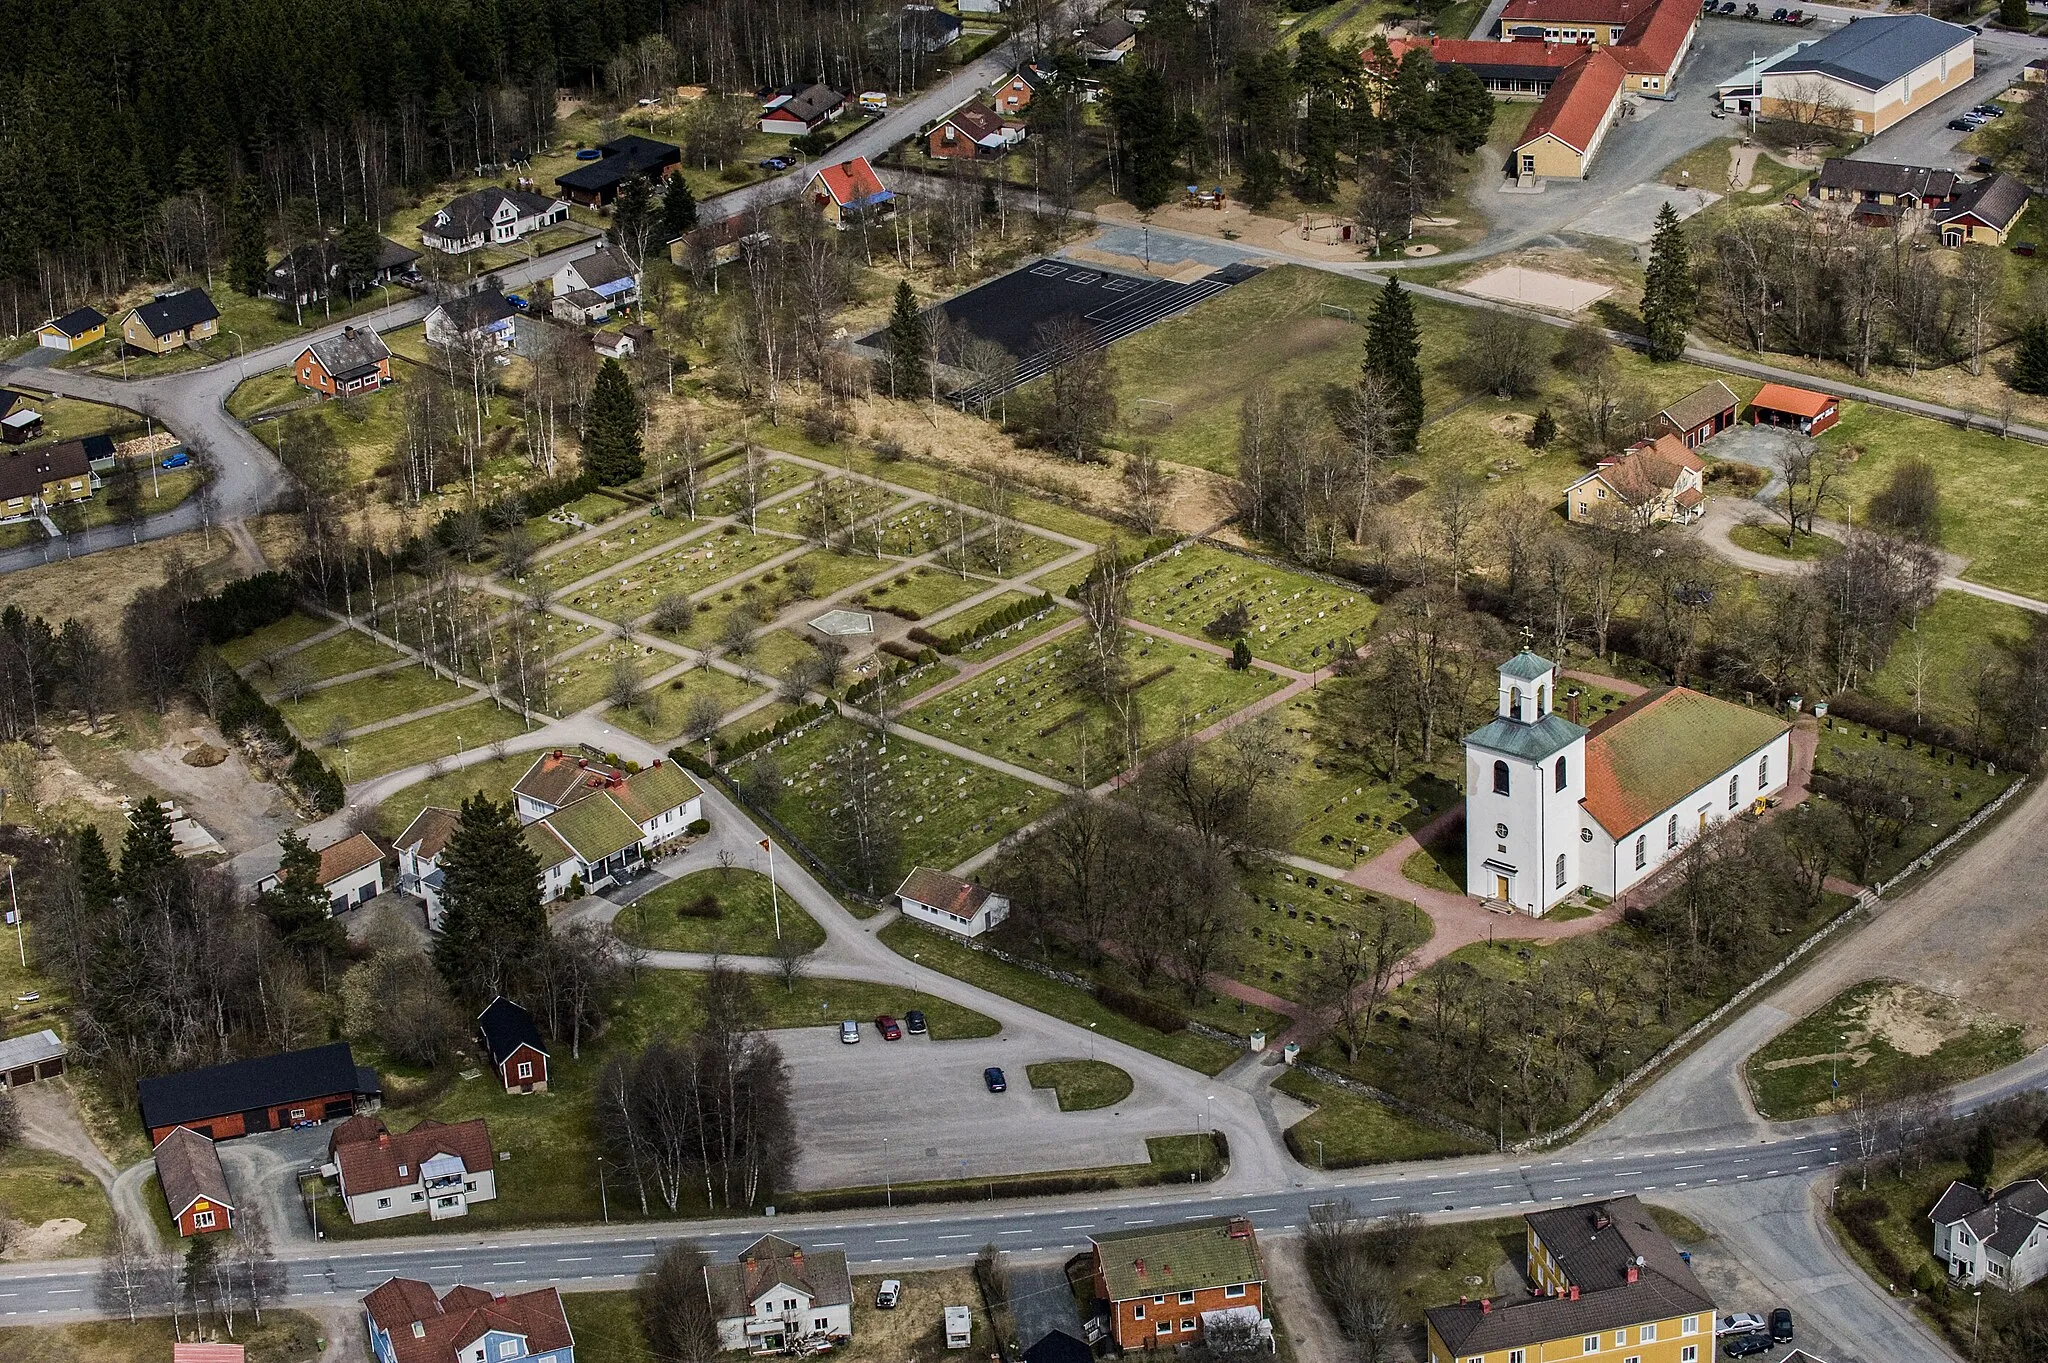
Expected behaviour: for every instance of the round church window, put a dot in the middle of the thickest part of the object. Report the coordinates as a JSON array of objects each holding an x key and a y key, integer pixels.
[
  {"x": 1500, "y": 830},
  {"x": 1585, "y": 835}
]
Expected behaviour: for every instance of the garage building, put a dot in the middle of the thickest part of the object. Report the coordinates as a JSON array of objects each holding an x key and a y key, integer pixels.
[{"x": 265, "y": 1094}]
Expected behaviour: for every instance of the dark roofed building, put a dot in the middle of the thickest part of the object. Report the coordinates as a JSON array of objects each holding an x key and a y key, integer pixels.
[
  {"x": 1109, "y": 41},
  {"x": 34, "y": 479},
  {"x": 490, "y": 217},
  {"x": 2001, "y": 1238},
  {"x": 514, "y": 1045},
  {"x": 268, "y": 1093},
  {"x": 194, "y": 1185},
  {"x": 775, "y": 1296},
  {"x": 1870, "y": 73},
  {"x": 1701, "y": 415},
  {"x": 1985, "y": 211},
  {"x": 1843, "y": 180},
  {"x": 171, "y": 320},
  {"x": 926, "y": 28},
  {"x": 356, "y": 361},
  {"x": 598, "y": 182}
]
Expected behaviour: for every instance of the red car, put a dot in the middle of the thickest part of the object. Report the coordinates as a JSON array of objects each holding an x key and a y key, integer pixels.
[{"x": 886, "y": 1025}]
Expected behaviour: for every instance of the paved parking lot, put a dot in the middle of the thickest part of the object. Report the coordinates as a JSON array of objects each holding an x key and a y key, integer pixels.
[
  {"x": 927, "y": 1099},
  {"x": 1925, "y": 139}
]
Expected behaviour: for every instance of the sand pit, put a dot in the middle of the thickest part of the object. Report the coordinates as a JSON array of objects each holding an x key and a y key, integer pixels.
[{"x": 1537, "y": 288}]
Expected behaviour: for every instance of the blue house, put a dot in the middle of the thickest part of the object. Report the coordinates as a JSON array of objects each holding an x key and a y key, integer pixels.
[{"x": 408, "y": 1324}]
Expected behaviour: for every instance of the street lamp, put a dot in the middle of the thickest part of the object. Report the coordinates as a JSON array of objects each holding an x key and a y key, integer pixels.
[
  {"x": 1319, "y": 1154},
  {"x": 888, "y": 1181},
  {"x": 1976, "y": 1315},
  {"x": 241, "y": 355}
]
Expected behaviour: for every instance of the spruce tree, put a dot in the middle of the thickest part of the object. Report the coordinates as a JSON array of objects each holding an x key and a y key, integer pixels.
[
  {"x": 2013, "y": 14},
  {"x": 2030, "y": 359},
  {"x": 611, "y": 428},
  {"x": 908, "y": 376},
  {"x": 297, "y": 905},
  {"x": 678, "y": 209},
  {"x": 248, "y": 249},
  {"x": 1670, "y": 295},
  {"x": 492, "y": 925},
  {"x": 632, "y": 216},
  {"x": 1393, "y": 347},
  {"x": 152, "y": 876},
  {"x": 1544, "y": 430},
  {"x": 359, "y": 246}
]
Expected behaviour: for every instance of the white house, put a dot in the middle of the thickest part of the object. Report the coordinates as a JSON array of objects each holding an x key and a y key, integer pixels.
[
  {"x": 590, "y": 289},
  {"x": 2002, "y": 1239},
  {"x": 1552, "y": 808},
  {"x": 436, "y": 1168},
  {"x": 351, "y": 871},
  {"x": 485, "y": 318},
  {"x": 419, "y": 858},
  {"x": 775, "y": 1297},
  {"x": 590, "y": 820},
  {"x": 490, "y": 217},
  {"x": 951, "y": 903}
]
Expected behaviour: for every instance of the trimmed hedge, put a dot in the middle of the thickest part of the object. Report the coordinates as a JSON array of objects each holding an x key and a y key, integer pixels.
[
  {"x": 1014, "y": 613},
  {"x": 1160, "y": 1017},
  {"x": 1130, "y": 558},
  {"x": 790, "y": 722},
  {"x": 244, "y": 606},
  {"x": 866, "y": 687}
]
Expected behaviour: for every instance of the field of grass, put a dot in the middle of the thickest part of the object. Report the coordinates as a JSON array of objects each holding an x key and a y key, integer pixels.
[
  {"x": 1854, "y": 1040},
  {"x": 727, "y": 496},
  {"x": 744, "y": 924},
  {"x": 849, "y": 502},
  {"x": 829, "y": 573},
  {"x": 585, "y": 678},
  {"x": 286, "y": 632},
  {"x": 1081, "y": 1085},
  {"x": 422, "y": 740},
  {"x": 37, "y": 1186},
  {"x": 673, "y": 698},
  {"x": 685, "y": 570},
  {"x": 349, "y": 651},
  {"x": 368, "y": 700},
  {"x": 636, "y": 536},
  {"x": 1030, "y": 715},
  {"x": 1346, "y": 1130},
  {"x": 606, "y": 1326},
  {"x": 493, "y": 776},
  {"x": 1292, "y": 916},
  {"x": 596, "y": 508},
  {"x": 923, "y": 591},
  {"x": 1770, "y": 539},
  {"x": 945, "y": 808},
  {"x": 1063, "y": 1001},
  {"x": 1946, "y": 789},
  {"x": 1938, "y": 660},
  {"x": 1293, "y": 620},
  {"x": 283, "y": 1337},
  {"x": 925, "y": 527}
]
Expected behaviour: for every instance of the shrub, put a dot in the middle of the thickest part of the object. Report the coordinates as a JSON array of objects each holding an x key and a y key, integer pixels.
[
  {"x": 1160, "y": 1017},
  {"x": 244, "y": 606},
  {"x": 703, "y": 906},
  {"x": 1012, "y": 614},
  {"x": 698, "y": 827}
]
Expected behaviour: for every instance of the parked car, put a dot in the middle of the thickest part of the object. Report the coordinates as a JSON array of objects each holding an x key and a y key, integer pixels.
[
  {"x": 1795, "y": 17},
  {"x": 886, "y": 1025},
  {"x": 914, "y": 1020},
  {"x": 178, "y": 460},
  {"x": 1745, "y": 1346},
  {"x": 1740, "y": 1323},
  {"x": 1989, "y": 111},
  {"x": 1751, "y": 12},
  {"x": 888, "y": 1294},
  {"x": 1962, "y": 125},
  {"x": 993, "y": 1077},
  {"x": 776, "y": 163},
  {"x": 517, "y": 301},
  {"x": 2023, "y": 248},
  {"x": 849, "y": 1032},
  {"x": 1727, "y": 6},
  {"x": 1778, "y": 15},
  {"x": 1781, "y": 1325}
]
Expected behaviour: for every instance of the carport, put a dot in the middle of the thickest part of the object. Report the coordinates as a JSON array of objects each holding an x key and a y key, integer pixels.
[{"x": 1778, "y": 404}]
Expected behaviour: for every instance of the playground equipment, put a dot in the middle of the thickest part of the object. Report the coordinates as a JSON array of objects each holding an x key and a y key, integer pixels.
[
  {"x": 1212, "y": 197},
  {"x": 1327, "y": 230}
]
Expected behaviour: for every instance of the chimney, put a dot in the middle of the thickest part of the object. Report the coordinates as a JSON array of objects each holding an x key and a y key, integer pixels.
[
  {"x": 1600, "y": 1221},
  {"x": 1240, "y": 1228},
  {"x": 1138, "y": 1266},
  {"x": 657, "y": 764},
  {"x": 1574, "y": 1292},
  {"x": 796, "y": 1258},
  {"x": 1486, "y": 1306},
  {"x": 1571, "y": 705},
  {"x": 1634, "y": 1272},
  {"x": 348, "y": 333},
  {"x": 383, "y": 1140}
]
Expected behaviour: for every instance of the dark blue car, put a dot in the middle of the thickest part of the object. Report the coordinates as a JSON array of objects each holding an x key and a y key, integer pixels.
[{"x": 993, "y": 1077}]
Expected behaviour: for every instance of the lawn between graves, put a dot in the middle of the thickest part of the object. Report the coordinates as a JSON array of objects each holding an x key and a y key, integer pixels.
[
  {"x": 728, "y": 910},
  {"x": 282, "y": 634},
  {"x": 1945, "y": 788},
  {"x": 592, "y": 556},
  {"x": 1937, "y": 659},
  {"x": 349, "y": 651},
  {"x": 1869, "y": 1036},
  {"x": 687, "y": 570},
  {"x": 1007, "y": 638},
  {"x": 1290, "y": 619},
  {"x": 551, "y": 1177},
  {"x": 921, "y": 592},
  {"x": 1030, "y": 714},
  {"x": 943, "y": 808},
  {"x": 670, "y": 703},
  {"x": 368, "y": 700},
  {"x": 583, "y": 679},
  {"x": 1291, "y": 918},
  {"x": 448, "y": 734}
]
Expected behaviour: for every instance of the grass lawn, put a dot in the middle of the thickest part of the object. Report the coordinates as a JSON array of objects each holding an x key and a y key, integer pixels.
[
  {"x": 1441, "y": 865},
  {"x": 283, "y": 634},
  {"x": 717, "y": 910},
  {"x": 776, "y": 476},
  {"x": 283, "y": 1337},
  {"x": 606, "y": 1326},
  {"x": 595, "y": 508},
  {"x": 944, "y": 808},
  {"x": 1347, "y": 1130},
  {"x": 672, "y": 701},
  {"x": 1051, "y": 997},
  {"x": 685, "y": 570},
  {"x": 1770, "y": 539},
  {"x": 1060, "y": 579},
  {"x": 1293, "y": 916},
  {"x": 271, "y": 389},
  {"x": 69, "y": 418},
  {"x": 1938, "y": 659},
  {"x": 1292, "y": 620},
  {"x": 493, "y": 776},
  {"x": 152, "y": 1195},
  {"x": 848, "y": 502},
  {"x": 1946, "y": 789},
  {"x": 349, "y": 651},
  {"x": 922, "y": 592},
  {"x": 585, "y": 678},
  {"x": 15, "y": 534},
  {"x": 1871, "y": 1035},
  {"x": 422, "y": 740},
  {"x": 37, "y": 1186},
  {"x": 1989, "y": 504},
  {"x": 822, "y": 573},
  {"x": 1081, "y": 1085},
  {"x": 635, "y": 536},
  {"x": 1030, "y": 715},
  {"x": 926, "y": 527},
  {"x": 160, "y": 492},
  {"x": 368, "y": 700}
]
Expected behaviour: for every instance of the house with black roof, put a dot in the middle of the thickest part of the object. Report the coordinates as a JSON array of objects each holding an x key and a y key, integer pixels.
[
  {"x": 170, "y": 321},
  {"x": 357, "y": 361},
  {"x": 1879, "y": 182},
  {"x": 1997, "y": 1237},
  {"x": 20, "y": 422},
  {"x": 268, "y": 1093},
  {"x": 514, "y": 1046},
  {"x": 926, "y": 28},
  {"x": 490, "y": 217},
  {"x": 1985, "y": 211},
  {"x": 43, "y": 476},
  {"x": 482, "y": 318},
  {"x": 306, "y": 274},
  {"x": 595, "y": 183},
  {"x": 75, "y": 330}
]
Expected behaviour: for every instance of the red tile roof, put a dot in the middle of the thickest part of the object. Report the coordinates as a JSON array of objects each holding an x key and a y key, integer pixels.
[
  {"x": 373, "y": 1159},
  {"x": 1778, "y": 397},
  {"x": 936, "y": 889},
  {"x": 349, "y": 855},
  {"x": 430, "y": 829},
  {"x": 1578, "y": 102},
  {"x": 1663, "y": 746},
  {"x": 1655, "y": 39},
  {"x": 457, "y": 1320},
  {"x": 207, "y": 1353},
  {"x": 850, "y": 182}
]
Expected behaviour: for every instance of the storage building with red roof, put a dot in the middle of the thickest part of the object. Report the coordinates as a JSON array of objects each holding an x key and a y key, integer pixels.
[{"x": 1780, "y": 404}]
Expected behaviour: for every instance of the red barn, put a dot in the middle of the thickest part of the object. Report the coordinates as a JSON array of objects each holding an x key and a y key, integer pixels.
[
  {"x": 269, "y": 1093},
  {"x": 194, "y": 1185}
]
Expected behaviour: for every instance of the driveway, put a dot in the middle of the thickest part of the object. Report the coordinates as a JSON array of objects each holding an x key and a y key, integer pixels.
[{"x": 263, "y": 1170}]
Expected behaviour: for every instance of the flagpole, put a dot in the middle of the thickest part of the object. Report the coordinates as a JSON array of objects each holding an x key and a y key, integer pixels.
[
  {"x": 15, "y": 904},
  {"x": 774, "y": 895}
]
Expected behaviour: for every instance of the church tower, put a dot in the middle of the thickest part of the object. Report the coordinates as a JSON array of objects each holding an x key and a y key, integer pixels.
[{"x": 1525, "y": 773}]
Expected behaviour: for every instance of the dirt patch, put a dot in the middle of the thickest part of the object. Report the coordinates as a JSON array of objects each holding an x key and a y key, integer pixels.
[
  {"x": 96, "y": 587},
  {"x": 1513, "y": 425},
  {"x": 225, "y": 794},
  {"x": 1537, "y": 288},
  {"x": 47, "y": 1241},
  {"x": 204, "y": 755},
  {"x": 1913, "y": 1021}
]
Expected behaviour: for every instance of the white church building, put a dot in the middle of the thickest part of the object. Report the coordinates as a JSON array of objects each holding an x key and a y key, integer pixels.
[{"x": 1552, "y": 808}]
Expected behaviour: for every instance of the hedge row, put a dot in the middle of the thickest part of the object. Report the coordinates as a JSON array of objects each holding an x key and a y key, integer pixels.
[
  {"x": 1160, "y": 1017},
  {"x": 789, "y": 723},
  {"x": 244, "y": 606},
  {"x": 244, "y": 708},
  {"x": 1145, "y": 549},
  {"x": 1015, "y": 613}
]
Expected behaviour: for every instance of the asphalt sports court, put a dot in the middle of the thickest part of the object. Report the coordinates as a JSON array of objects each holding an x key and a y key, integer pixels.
[{"x": 1010, "y": 308}]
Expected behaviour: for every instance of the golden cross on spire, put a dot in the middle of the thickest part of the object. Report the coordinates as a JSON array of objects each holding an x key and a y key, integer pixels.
[{"x": 1528, "y": 638}]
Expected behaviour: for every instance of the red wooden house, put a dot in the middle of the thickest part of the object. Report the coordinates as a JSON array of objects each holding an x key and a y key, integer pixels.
[
  {"x": 195, "y": 1187},
  {"x": 513, "y": 1043},
  {"x": 269, "y": 1093}
]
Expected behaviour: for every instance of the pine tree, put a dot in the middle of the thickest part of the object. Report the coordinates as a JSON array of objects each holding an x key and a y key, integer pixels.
[
  {"x": 96, "y": 882},
  {"x": 248, "y": 248},
  {"x": 492, "y": 925},
  {"x": 633, "y": 216},
  {"x": 1544, "y": 430},
  {"x": 1393, "y": 347},
  {"x": 1670, "y": 294},
  {"x": 678, "y": 209},
  {"x": 359, "y": 246},
  {"x": 908, "y": 376},
  {"x": 611, "y": 428},
  {"x": 2030, "y": 359},
  {"x": 297, "y": 905}
]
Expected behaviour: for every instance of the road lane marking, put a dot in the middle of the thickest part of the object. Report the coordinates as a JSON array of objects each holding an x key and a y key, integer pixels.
[
  {"x": 506, "y": 1263},
  {"x": 900, "y": 1240},
  {"x": 962, "y": 1236},
  {"x": 575, "y": 1259}
]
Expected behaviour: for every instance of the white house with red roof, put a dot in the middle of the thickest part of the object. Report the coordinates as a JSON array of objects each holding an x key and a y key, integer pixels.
[
  {"x": 848, "y": 191},
  {"x": 946, "y": 901},
  {"x": 1553, "y": 808},
  {"x": 419, "y": 858},
  {"x": 438, "y": 1168},
  {"x": 1652, "y": 480},
  {"x": 409, "y": 1324},
  {"x": 351, "y": 871}
]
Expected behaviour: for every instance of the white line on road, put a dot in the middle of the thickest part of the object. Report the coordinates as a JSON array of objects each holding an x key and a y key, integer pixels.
[{"x": 900, "y": 1240}]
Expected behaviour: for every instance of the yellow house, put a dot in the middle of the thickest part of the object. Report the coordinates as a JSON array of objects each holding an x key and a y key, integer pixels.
[
  {"x": 1569, "y": 125},
  {"x": 171, "y": 320},
  {"x": 1610, "y": 1287},
  {"x": 73, "y": 331},
  {"x": 35, "y": 479},
  {"x": 1985, "y": 211}
]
